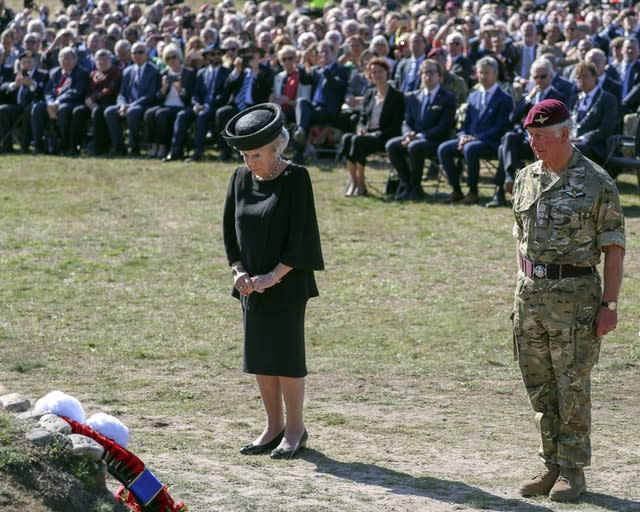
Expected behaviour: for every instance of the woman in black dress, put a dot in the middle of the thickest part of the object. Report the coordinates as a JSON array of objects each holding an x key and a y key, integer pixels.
[
  {"x": 380, "y": 119},
  {"x": 272, "y": 243}
]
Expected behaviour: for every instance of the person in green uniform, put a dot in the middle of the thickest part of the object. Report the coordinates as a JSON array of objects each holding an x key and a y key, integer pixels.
[
  {"x": 567, "y": 216},
  {"x": 272, "y": 243}
]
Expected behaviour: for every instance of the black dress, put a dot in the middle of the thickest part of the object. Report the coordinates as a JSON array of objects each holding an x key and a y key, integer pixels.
[{"x": 266, "y": 223}]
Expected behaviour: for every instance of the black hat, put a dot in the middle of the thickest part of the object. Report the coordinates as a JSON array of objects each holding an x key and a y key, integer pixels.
[{"x": 254, "y": 127}]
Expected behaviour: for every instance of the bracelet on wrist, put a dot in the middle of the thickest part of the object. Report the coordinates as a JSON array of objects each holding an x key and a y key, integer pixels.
[{"x": 274, "y": 277}]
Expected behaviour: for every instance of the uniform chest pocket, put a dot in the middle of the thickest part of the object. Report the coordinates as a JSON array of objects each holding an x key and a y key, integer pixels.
[
  {"x": 522, "y": 207},
  {"x": 569, "y": 214}
]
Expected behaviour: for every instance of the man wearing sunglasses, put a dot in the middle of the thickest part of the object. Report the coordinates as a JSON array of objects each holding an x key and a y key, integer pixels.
[
  {"x": 457, "y": 62},
  {"x": 286, "y": 84},
  {"x": 514, "y": 147}
]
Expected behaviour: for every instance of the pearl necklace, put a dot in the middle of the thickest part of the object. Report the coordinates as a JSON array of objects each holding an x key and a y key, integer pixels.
[{"x": 277, "y": 169}]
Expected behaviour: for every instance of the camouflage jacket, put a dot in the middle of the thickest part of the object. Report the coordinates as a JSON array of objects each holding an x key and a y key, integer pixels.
[{"x": 567, "y": 218}]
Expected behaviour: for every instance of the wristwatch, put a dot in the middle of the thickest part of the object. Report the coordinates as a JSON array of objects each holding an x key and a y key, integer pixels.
[{"x": 611, "y": 305}]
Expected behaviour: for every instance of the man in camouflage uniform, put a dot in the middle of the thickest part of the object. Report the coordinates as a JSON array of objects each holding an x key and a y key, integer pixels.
[{"x": 567, "y": 213}]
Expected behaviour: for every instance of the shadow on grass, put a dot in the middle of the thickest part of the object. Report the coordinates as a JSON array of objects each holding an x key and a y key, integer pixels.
[
  {"x": 631, "y": 211},
  {"x": 610, "y": 502},
  {"x": 446, "y": 491}
]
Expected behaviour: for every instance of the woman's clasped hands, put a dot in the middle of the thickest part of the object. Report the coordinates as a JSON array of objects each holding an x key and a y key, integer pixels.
[{"x": 246, "y": 284}]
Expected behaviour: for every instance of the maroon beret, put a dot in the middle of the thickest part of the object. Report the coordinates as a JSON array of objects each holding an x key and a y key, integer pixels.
[{"x": 546, "y": 113}]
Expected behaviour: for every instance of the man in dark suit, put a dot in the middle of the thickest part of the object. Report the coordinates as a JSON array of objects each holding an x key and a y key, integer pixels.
[
  {"x": 65, "y": 90},
  {"x": 209, "y": 95},
  {"x": 564, "y": 86},
  {"x": 250, "y": 83},
  {"x": 457, "y": 62},
  {"x": 630, "y": 75},
  {"x": 605, "y": 80},
  {"x": 514, "y": 147},
  {"x": 595, "y": 113},
  {"x": 50, "y": 57},
  {"x": 486, "y": 120},
  {"x": 329, "y": 82},
  {"x": 138, "y": 90},
  {"x": 598, "y": 39},
  {"x": 505, "y": 53},
  {"x": 527, "y": 51},
  {"x": 429, "y": 120},
  {"x": 26, "y": 87},
  {"x": 407, "y": 75},
  {"x": 628, "y": 19}
]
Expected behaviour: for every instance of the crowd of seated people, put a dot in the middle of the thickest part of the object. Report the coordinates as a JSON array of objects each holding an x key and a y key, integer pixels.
[{"x": 435, "y": 85}]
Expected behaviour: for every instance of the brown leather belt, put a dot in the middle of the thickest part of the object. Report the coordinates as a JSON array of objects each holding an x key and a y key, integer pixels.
[{"x": 552, "y": 270}]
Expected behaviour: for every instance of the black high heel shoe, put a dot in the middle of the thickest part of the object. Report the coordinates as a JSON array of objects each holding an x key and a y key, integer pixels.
[
  {"x": 257, "y": 449},
  {"x": 279, "y": 453}
]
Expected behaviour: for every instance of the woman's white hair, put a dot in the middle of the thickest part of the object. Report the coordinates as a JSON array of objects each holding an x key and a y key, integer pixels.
[
  {"x": 281, "y": 142},
  {"x": 172, "y": 48},
  {"x": 379, "y": 39}
]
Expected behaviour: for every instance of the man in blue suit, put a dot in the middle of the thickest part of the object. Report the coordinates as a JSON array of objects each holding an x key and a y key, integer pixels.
[
  {"x": 209, "y": 95},
  {"x": 514, "y": 147},
  {"x": 595, "y": 112},
  {"x": 329, "y": 81},
  {"x": 605, "y": 80},
  {"x": 138, "y": 90},
  {"x": 408, "y": 70},
  {"x": 486, "y": 120},
  {"x": 630, "y": 76},
  {"x": 563, "y": 86},
  {"x": 429, "y": 119},
  {"x": 65, "y": 90}
]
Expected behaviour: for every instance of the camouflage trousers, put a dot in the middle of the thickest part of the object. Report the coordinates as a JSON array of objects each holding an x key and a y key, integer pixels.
[{"x": 556, "y": 348}]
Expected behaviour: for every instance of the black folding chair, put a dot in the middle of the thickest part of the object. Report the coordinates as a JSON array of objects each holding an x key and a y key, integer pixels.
[
  {"x": 19, "y": 125},
  {"x": 616, "y": 162}
]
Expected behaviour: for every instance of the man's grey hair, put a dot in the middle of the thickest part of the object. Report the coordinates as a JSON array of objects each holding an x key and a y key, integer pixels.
[
  {"x": 567, "y": 123},
  {"x": 542, "y": 63},
  {"x": 139, "y": 45},
  {"x": 67, "y": 52},
  {"x": 455, "y": 36},
  {"x": 122, "y": 43},
  {"x": 596, "y": 51},
  {"x": 103, "y": 52},
  {"x": 487, "y": 62}
]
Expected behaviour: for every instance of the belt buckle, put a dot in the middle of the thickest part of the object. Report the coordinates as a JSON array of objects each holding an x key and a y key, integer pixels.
[{"x": 540, "y": 270}]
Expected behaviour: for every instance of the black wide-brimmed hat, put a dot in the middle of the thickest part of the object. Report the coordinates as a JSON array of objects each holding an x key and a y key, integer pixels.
[{"x": 254, "y": 127}]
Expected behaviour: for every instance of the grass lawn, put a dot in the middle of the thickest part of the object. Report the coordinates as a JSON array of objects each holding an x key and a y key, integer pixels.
[{"x": 114, "y": 288}]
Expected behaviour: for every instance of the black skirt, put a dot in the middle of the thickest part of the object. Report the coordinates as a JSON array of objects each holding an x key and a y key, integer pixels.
[{"x": 274, "y": 342}]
